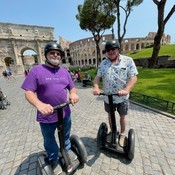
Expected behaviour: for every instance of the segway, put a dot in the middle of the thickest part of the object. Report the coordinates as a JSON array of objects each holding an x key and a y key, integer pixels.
[
  {"x": 110, "y": 140},
  {"x": 77, "y": 147}
]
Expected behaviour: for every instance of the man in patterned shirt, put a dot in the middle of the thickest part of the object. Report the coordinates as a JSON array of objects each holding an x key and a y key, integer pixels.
[{"x": 119, "y": 75}]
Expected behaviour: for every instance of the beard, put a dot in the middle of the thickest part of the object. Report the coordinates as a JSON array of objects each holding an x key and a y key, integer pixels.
[{"x": 54, "y": 62}]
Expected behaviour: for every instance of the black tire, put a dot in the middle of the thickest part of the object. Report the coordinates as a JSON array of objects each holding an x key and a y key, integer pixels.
[
  {"x": 78, "y": 147},
  {"x": 131, "y": 144},
  {"x": 101, "y": 136}
]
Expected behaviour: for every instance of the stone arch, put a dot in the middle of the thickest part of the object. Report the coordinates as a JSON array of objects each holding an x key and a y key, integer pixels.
[
  {"x": 34, "y": 60},
  {"x": 137, "y": 46},
  {"x": 16, "y": 38},
  {"x": 94, "y": 61},
  {"x": 9, "y": 63}
]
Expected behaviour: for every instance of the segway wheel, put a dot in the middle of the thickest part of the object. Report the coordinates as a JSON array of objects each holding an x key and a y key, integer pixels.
[
  {"x": 101, "y": 136},
  {"x": 79, "y": 148},
  {"x": 131, "y": 144}
]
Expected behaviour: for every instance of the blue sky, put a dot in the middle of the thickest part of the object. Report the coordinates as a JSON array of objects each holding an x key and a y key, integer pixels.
[{"x": 60, "y": 14}]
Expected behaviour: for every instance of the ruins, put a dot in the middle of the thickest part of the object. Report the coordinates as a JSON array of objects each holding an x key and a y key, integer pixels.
[{"x": 15, "y": 39}]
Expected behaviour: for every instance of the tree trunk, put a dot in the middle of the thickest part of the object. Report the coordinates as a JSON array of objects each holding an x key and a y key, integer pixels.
[
  {"x": 157, "y": 44},
  {"x": 97, "y": 38},
  {"x": 152, "y": 63},
  {"x": 98, "y": 54}
]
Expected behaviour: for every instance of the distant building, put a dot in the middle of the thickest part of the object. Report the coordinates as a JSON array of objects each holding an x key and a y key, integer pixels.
[
  {"x": 15, "y": 39},
  {"x": 83, "y": 52}
]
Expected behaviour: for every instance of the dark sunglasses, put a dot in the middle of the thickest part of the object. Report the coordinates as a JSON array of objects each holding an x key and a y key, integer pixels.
[
  {"x": 113, "y": 48},
  {"x": 54, "y": 52}
]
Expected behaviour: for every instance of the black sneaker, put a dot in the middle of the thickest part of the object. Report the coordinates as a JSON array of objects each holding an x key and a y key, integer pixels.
[
  {"x": 72, "y": 155},
  {"x": 56, "y": 167}
]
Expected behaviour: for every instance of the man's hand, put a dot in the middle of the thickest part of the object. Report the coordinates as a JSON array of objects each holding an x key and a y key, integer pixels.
[
  {"x": 122, "y": 92},
  {"x": 96, "y": 91},
  {"x": 73, "y": 98},
  {"x": 45, "y": 109}
]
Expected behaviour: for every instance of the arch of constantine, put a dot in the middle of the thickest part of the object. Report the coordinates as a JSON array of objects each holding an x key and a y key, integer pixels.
[{"x": 15, "y": 39}]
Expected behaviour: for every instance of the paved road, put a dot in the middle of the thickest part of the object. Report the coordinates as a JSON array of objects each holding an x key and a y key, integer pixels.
[{"x": 20, "y": 137}]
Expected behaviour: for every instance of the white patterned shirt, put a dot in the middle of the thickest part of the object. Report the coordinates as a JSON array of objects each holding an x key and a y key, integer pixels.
[{"x": 115, "y": 76}]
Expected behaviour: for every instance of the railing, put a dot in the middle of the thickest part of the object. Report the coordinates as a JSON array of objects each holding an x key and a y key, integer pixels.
[{"x": 158, "y": 103}]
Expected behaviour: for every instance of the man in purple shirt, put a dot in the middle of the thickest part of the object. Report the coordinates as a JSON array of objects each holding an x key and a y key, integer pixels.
[{"x": 45, "y": 87}]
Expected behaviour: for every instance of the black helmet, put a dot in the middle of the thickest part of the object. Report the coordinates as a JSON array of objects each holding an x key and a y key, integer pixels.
[
  {"x": 53, "y": 46},
  {"x": 111, "y": 44}
]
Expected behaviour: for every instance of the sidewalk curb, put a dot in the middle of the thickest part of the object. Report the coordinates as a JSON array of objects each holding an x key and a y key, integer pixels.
[{"x": 153, "y": 109}]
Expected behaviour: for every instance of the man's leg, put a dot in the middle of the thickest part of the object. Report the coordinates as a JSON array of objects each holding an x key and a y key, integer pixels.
[
  {"x": 50, "y": 144},
  {"x": 67, "y": 127},
  {"x": 122, "y": 124},
  {"x": 122, "y": 109}
]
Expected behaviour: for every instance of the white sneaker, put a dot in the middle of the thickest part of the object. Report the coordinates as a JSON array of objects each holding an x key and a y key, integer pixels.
[
  {"x": 72, "y": 155},
  {"x": 122, "y": 140}
]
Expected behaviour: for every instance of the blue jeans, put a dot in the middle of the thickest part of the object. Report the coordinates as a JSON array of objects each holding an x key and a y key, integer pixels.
[{"x": 50, "y": 144}]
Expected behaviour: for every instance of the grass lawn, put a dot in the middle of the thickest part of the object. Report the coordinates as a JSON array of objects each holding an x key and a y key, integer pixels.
[
  {"x": 146, "y": 53},
  {"x": 158, "y": 83}
]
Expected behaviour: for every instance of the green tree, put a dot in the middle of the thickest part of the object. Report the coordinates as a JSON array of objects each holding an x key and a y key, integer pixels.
[
  {"x": 161, "y": 27},
  {"x": 96, "y": 16},
  {"x": 127, "y": 11},
  {"x": 35, "y": 58}
]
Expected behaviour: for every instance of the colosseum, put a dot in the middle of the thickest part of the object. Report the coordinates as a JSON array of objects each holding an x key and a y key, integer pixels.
[{"x": 83, "y": 52}]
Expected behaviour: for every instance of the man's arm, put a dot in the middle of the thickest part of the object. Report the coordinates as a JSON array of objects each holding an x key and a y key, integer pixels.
[
  {"x": 132, "y": 81},
  {"x": 45, "y": 109},
  {"x": 73, "y": 96},
  {"x": 96, "y": 90}
]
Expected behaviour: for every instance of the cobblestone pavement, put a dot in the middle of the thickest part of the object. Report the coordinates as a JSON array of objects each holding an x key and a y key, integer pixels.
[{"x": 20, "y": 137}]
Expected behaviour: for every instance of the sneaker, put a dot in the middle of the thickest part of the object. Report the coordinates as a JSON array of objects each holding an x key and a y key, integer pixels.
[
  {"x": 56, "y": 167},
  {"x": 72, "y": 155},
  {"x": 122, "y": 140}
]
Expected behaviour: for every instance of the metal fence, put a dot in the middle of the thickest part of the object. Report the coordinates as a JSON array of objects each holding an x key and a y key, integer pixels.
[{"x": 158, "y": 103}]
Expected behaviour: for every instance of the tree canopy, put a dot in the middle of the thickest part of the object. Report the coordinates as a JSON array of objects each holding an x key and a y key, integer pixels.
[
  {"x": 127, "y": 8},
  {"x": 96, "y": 16}
]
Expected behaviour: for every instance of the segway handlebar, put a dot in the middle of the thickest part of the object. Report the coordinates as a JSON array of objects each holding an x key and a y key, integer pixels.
[
  {"x": 107, "y": 94},
  {"x": 62, "y": 105}
]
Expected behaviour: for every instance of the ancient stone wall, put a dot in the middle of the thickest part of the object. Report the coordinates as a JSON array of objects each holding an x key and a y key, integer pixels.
[
  {"x": 83, "y": 52},
  {"x": 163, "y": 62},
  {"x": 15, "y": 39}
]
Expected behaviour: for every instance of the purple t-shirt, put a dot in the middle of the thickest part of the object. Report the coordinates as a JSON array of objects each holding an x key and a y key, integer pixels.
[{"x": 50, "y": 86}]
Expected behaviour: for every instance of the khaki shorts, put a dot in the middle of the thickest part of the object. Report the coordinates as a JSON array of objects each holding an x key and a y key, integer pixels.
[{"x": 122, "y": 108}]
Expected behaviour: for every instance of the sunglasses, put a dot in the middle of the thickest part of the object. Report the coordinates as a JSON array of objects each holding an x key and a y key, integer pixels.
[
  {"x": 54, "y": 52},
  {"x": 113, "y": 48}
]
